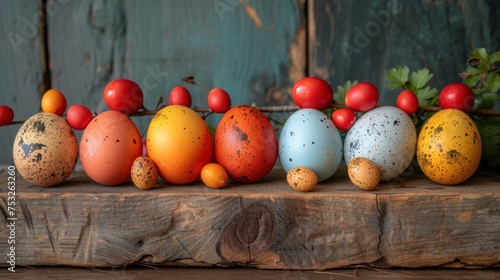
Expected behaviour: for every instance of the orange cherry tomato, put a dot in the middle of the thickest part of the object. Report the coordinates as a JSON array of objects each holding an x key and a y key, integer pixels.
[
  {"x": 53, "y": 101},
  {"x": 214, "y": 176}
]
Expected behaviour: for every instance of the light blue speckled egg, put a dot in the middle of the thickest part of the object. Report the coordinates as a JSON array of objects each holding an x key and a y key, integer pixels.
[
  {"x": 310, "y": 139},
  {"x": 386, "y": 136}
]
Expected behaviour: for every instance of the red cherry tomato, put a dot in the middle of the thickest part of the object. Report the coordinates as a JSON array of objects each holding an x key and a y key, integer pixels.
[
  {"x": 6, "y": 115},
  {"x": 362, "y": 97},
  {"x": 407, "y": 101},
  {"x": 124, "y": 96},
  {"x": 214, "y": 176},
  {"x": 343, "y": 118},
  {"x": 78, "y": 116},
  {"x": 456, "y": 96},
  {"x": 179, "y": 95},
  {"x": 219, "y": 100},
  {"x": 312, "y": 92}
]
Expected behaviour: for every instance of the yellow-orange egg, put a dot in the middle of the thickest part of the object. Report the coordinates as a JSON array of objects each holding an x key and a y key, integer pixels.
[
  {"x": 179, "y": 143},
  {"x": 363, "y": 173},
  {"x": 110, "y": 143},
  {"x": 245, "y": 144},
  {"x": 449, "y": 147},
  {"x": 214, "y": 176},
  {"x": 45, "y": 149},
  {"x": 302, "y": 179},
  {"x": 144, "y": 173}
]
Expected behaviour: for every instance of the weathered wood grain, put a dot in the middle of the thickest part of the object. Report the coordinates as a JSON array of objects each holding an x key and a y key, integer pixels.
[
  {"x": 408, "y": 223},
  {"x": 21, "y": 78},
  {"x": 215, "y": 273},
  {"x": 242, "y": 47},
  {"x": 360, "y": 40}
]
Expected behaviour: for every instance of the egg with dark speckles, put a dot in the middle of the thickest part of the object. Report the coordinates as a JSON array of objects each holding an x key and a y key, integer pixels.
[
  {"x": 245, "y": 144},
  {"x": 363, "y": 173},
  {"x": 179, "y": 143},
  {"x": 109, "y": 145},
  {"x": 449, "y": 147},
  {"x": 302, "y": 179},
  {"x": 144, "y": 173},
  {"x": 310, "y": 139},
  {"x": 45, "y": 150},
  {"x": 386, "y": 136}
]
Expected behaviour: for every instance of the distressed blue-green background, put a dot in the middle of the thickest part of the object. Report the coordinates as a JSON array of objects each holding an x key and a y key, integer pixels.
[{"x": 254, "y": 49}]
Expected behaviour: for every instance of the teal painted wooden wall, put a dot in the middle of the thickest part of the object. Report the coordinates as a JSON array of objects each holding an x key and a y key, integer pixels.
[{"x": 254, "y": 49}]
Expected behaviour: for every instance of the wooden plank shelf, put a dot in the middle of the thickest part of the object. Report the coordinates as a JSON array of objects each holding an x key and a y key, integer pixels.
[{"x": 410, "y": 222}]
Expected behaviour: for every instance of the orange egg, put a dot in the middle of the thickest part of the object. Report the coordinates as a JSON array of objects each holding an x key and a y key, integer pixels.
[
  {"x": 179, "y": 143},
  {"x": 110, "y": 143},
  {"x": 245, "y": 144},
  {"x": 214, "y": 176}
]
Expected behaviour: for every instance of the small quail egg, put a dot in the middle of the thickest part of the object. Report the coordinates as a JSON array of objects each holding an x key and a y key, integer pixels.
[
  {"x": 144, "y": 173},
  {"x": 363, "y": 173},
  {"x": 302, "y": 179}
]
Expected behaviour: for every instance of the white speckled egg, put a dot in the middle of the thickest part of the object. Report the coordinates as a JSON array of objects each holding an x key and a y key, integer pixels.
[
  {"x": 45, "y": 149},
  {"x": 310, "y": 139},
  {"x": 386, "y": 136}
]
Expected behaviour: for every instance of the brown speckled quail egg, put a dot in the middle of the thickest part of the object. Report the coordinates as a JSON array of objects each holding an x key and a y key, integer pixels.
[
  {"x": 144, "y": 173},
  {"x": 363, "y": 173},
  {"x": 45, "y": 149},
  {"x": 386, "y": 136},
  {"x": 302, "y": 179}
]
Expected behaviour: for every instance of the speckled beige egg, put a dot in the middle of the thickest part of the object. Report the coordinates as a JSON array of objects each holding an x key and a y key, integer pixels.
[
  {"x": 302, "y": 179},
  {"x": 45, "y": 150},
  {"x": 449, "y": 147},
  {"x": 144, "y": 173},
  {"x": 363, "y": 173}
]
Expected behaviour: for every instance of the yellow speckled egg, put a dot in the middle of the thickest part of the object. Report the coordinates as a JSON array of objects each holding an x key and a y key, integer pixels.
[
  {"x": 302, "y": 179},
  {"x": 45, "y": 149},
  {"x": 144, "y": 173},
  {"x": 363, "y": 173},
  {"x": 449, "y": 147}
]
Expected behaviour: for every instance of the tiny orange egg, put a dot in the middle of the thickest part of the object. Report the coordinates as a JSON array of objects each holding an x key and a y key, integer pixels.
[{"x": 214, "y": 176}]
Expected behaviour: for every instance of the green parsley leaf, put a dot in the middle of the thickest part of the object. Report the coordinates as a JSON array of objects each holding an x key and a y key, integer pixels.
[
  {"x": 480, "y": 54},
  {"x": 339, "y": 96},
  {"x": 494, "y": 57},
  {"x": 486, "y": 100},
  {"x": 425, "y": 94},
  {"x": 420, "y": 78},
  {"x": 397, "y": 77},
  {"x": 492, "y": 82},
  {"x": 489, "y": 129}
]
